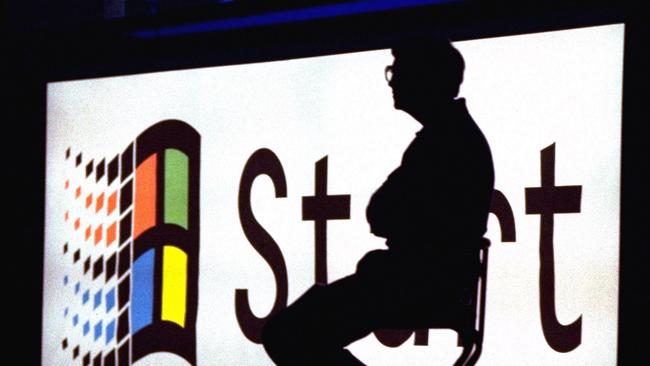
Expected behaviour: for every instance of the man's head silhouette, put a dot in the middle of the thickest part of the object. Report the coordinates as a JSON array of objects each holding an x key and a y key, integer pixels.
[{"x": 426, "y": 74}]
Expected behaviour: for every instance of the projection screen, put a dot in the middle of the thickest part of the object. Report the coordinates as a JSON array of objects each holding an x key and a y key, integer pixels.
[{"x": 165, "y": 193}]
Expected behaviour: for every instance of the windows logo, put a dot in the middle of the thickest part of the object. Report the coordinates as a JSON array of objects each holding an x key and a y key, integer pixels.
[{"x": 132, "y": 250}]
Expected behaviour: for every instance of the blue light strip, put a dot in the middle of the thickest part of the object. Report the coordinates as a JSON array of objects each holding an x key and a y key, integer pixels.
[{"x": 297, "y": 15}]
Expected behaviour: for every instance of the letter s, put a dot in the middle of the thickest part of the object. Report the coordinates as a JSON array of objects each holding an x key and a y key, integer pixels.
[{"x": 263, "y": 161}]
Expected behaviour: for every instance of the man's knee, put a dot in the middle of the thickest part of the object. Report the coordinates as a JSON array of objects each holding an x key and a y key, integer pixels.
[
  {"x": 275, "y": 336},
  {"x": 288, "y": 341},
  {"x": 288, "y": 322},
  {"x": 294, "y": 329}
]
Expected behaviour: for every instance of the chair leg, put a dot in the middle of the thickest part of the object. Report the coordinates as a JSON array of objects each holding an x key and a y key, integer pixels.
[
  {"x": 476, "y": 354},
  {"x": 468, "y": 340},
  {"x": 464, "y": 356}
]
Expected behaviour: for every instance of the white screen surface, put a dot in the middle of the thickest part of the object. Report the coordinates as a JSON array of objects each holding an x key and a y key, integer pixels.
[{"x": 526, "y": 93}]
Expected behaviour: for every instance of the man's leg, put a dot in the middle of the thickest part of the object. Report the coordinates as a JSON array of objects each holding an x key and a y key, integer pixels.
[
  {"x": 316, "y": 328},
  {"x": 387, "y": 291}
]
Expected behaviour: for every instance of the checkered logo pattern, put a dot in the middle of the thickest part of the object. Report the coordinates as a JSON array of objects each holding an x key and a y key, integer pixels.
[{"x": 132, "y": 249}]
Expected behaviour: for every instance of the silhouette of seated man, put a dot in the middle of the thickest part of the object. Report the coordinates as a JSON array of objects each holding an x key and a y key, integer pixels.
[{"x": 432, "y": 210}]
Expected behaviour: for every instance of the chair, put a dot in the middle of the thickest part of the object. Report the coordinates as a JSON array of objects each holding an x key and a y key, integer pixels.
[
  {"x": 466, "y": 314},
  {"x": 468, "y": 318}
]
